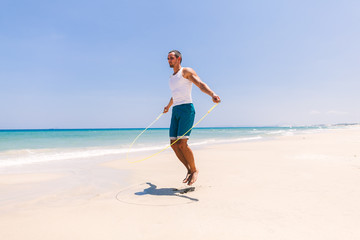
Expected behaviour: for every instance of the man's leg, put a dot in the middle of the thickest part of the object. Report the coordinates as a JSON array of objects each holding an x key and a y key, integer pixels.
[
  {"x": 181, "y": 157},
  {"x": 189, "y": 158},
  {"x": 174, "y": 125},
  {"x": 185, "y": 115}
]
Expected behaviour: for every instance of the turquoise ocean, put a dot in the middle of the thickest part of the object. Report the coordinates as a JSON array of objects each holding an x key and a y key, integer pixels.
[{"x": 24, "y": 147}]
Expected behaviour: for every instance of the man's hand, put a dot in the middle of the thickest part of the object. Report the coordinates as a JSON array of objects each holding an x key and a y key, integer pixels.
[
  {"x": 215, "y": 98},
  {"x": 166, "y": 109}
]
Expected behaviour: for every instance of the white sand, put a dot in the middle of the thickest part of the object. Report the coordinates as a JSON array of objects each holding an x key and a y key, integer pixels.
[
  {"x": 297, "y": 187},
  {"x": 10, "y": 179}
]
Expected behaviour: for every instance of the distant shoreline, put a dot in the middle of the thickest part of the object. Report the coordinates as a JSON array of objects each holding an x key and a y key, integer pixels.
[{"x": 140, "y": 128}]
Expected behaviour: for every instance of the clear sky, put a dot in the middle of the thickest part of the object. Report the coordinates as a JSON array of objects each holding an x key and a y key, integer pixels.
[{"x": 102, "y": 64}]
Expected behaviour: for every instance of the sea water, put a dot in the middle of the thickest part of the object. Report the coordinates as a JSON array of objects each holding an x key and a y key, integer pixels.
[{"x": 23, "y": 147}]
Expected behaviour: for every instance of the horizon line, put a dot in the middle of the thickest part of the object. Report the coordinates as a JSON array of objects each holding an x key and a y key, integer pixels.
[{"x": 136, "y": 128}]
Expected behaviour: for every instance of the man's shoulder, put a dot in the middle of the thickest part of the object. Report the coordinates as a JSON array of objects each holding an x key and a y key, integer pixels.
[{"x": 187, "y": 71}]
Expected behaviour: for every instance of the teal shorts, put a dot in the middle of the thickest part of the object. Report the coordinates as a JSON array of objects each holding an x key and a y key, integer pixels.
[{"x": 182, "y": 119}]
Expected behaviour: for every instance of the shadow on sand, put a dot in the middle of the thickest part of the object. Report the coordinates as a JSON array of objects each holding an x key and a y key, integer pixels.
[{"x": 153, "y": 190}]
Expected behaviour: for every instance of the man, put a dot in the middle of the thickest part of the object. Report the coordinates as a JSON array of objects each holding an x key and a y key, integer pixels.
[{"x": 183, "y": 113}]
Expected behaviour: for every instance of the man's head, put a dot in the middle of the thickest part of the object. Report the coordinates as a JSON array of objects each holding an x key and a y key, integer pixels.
[{"x": 174, "y": 57}]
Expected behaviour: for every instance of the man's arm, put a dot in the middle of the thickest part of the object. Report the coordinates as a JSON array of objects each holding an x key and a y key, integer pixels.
[
  {"x": 191, "y": 75},
  {"x": 166, "y": 109}
]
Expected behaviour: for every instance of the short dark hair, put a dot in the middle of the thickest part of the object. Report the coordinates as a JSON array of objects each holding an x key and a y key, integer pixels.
[{"x": 177, "y": 54}]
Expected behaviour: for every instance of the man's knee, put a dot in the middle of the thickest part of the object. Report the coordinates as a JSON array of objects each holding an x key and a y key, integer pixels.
[
  {"x": 182, "y": 145},
  {"x": 174, "y": 146}
]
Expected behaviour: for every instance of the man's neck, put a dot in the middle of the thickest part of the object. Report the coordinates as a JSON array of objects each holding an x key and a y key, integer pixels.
[{"x": 176, "y": 69}]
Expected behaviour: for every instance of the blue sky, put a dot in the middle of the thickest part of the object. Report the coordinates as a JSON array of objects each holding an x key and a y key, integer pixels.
[{"x": 100, "y": 64}]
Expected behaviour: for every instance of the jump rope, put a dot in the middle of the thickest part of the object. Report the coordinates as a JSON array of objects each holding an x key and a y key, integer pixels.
[{"x": 153, "y": 155}]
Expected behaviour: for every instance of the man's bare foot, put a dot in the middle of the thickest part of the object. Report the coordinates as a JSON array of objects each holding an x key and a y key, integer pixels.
[
  {"x": 186, "y": 179},
  {"x": 193, "y": 178}
]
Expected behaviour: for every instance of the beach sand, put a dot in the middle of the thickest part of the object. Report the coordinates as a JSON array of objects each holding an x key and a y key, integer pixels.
[{"x": 294, "y": 187}]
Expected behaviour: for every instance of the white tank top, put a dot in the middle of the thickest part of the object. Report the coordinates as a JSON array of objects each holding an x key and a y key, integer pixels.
[{"x": 180, "y": 88}]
